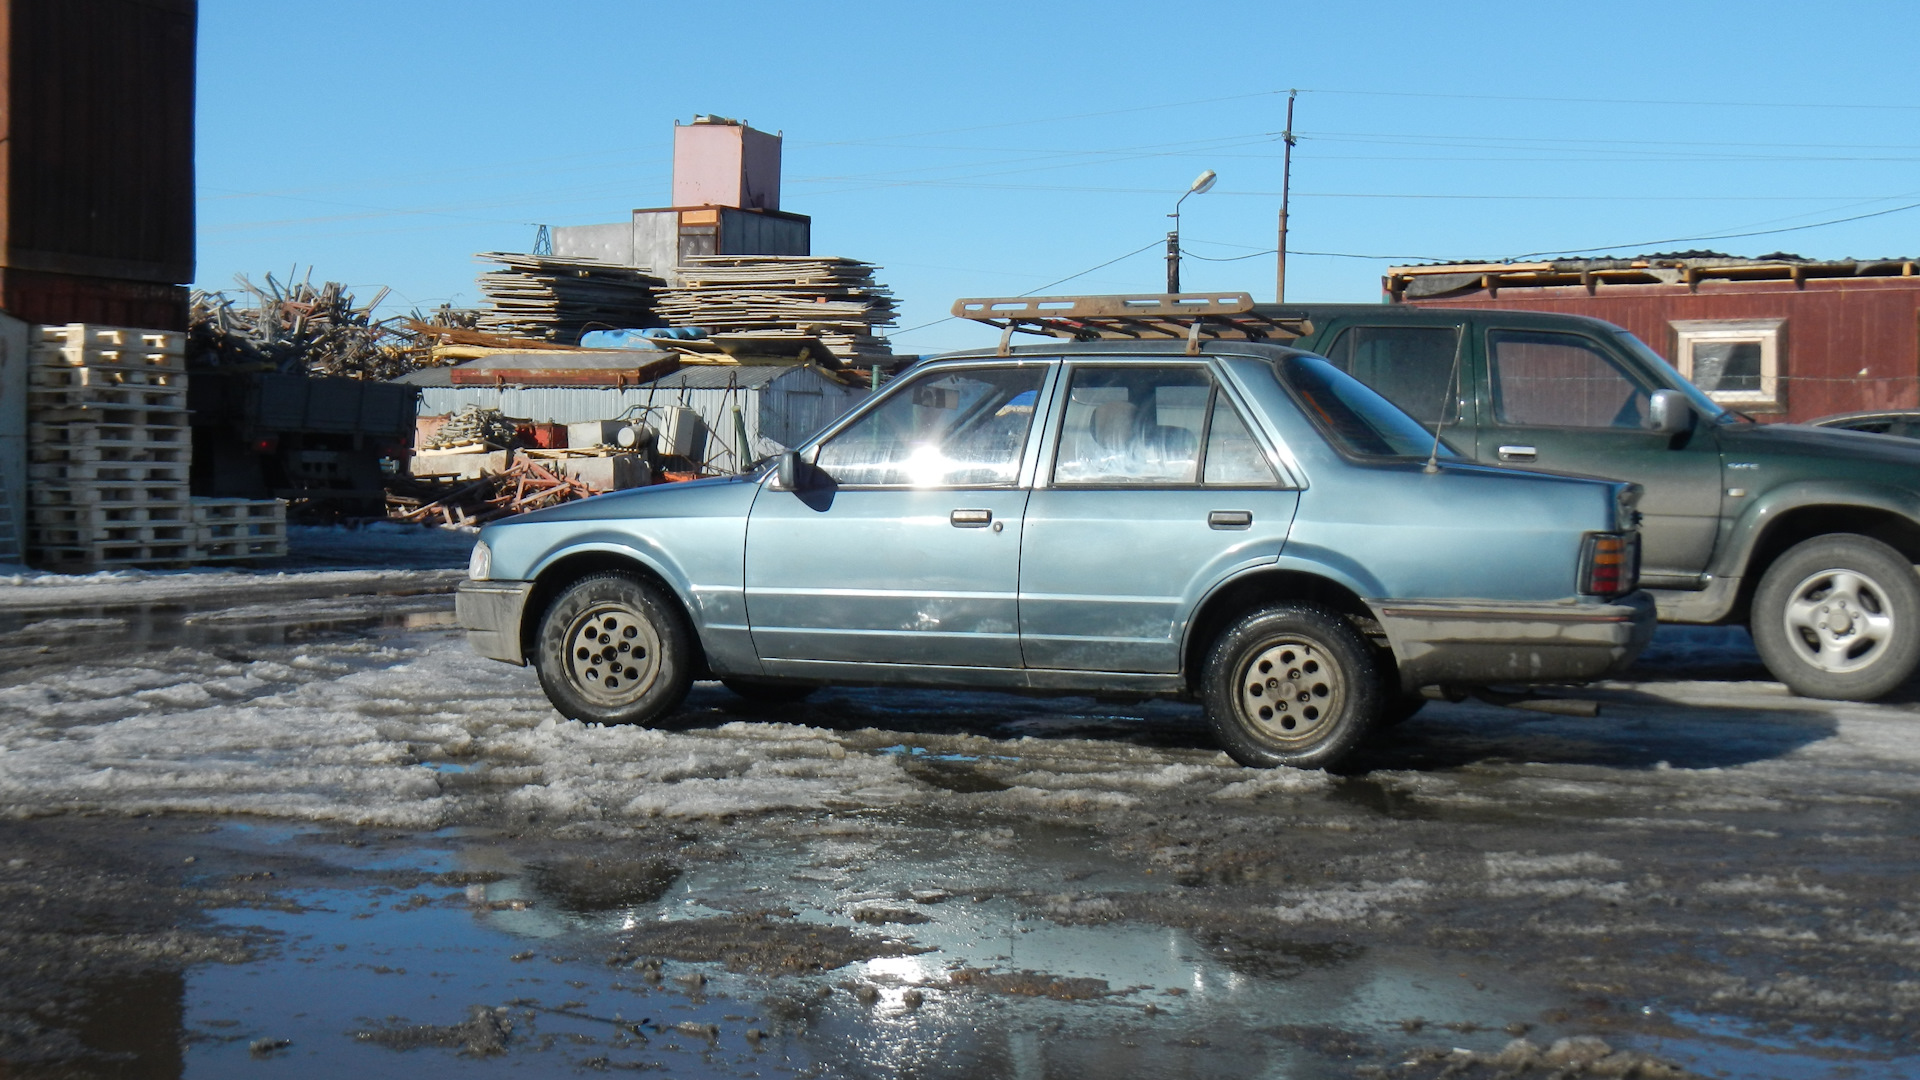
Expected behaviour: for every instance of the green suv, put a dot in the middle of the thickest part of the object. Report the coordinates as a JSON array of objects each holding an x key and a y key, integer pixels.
[{"x": 1807, "y": 535}]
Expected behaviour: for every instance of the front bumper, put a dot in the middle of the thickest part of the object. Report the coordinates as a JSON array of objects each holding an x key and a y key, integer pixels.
[
  {"x": 491, "y": 612},
  {"x": 1476, "y": 643}
]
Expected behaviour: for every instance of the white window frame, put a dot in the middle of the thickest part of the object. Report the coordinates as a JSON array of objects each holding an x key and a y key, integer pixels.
[{"x": 1769, "y": 334}]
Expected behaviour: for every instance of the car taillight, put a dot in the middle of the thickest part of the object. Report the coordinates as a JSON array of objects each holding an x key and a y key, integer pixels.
[{"x": 1610, "y": 564}]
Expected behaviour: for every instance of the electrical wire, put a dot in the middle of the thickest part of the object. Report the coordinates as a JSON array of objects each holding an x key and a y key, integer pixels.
[
  {"x": 1717, "y": 236},
  {"x": 1039, "y": 288}
]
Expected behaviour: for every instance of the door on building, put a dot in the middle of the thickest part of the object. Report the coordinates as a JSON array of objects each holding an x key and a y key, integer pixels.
[
  {"x": 1157, "y": 489},
  {"x": 905, "y": 548}
]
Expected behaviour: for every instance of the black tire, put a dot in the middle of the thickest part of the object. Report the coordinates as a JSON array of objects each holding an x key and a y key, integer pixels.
[
  {"x": 769, "y": 693},
  {"x": 599, "y": 680},
  {"x": 1293, "y": 684},
  {"x": 1839, "y": 617}
]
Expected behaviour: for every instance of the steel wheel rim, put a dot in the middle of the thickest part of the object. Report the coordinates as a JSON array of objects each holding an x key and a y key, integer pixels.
[
  {"x": 1839, "y": 621},
  {"x": 1290, "y": 692},
  {"x": 613, "y": 654}
]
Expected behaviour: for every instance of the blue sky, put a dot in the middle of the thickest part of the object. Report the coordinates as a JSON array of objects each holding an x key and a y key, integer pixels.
[{"x": 992, "y": 148}]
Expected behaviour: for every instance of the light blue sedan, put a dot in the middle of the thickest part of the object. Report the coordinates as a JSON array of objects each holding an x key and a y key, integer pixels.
[{"x": 1236, "y": 522}]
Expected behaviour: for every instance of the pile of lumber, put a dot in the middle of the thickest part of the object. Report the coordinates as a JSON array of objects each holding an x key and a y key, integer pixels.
[
  {"x": 555, "y": 299},
  {"x": 783, "y": 297},
  {"x": 525, "y": 485}
]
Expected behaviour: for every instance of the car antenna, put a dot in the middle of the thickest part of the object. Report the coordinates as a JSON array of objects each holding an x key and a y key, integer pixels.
[{"x": 1446, "y": 405}]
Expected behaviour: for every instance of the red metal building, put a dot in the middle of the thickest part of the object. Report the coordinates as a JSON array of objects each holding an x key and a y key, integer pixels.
[
  {"x": 1779, "y": 338},
  {"x": 96, "y": 161}
]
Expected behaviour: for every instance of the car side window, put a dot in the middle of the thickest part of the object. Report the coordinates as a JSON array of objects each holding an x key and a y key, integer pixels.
[
  {"x": 1233, "y": 458},
  {"x": 964, "y": 428},
  {"x": 1411, "y": 366},
  {"x": 1544, "y": 379},
  {"x": 1133, "y": 425}
]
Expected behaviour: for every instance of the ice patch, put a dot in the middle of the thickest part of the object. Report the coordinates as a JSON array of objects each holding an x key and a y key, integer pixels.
[
  {"x": 1349, "y": 903},
  {"x": 1513, "y": 864},
  {"x": 1277, "y": 782}
]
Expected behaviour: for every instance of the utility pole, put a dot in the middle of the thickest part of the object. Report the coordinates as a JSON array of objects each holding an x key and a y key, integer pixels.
[{"x": 1286, "y": 187}]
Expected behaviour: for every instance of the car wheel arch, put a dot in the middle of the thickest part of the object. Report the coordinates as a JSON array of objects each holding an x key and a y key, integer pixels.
[
  {"x": 1234, "y": 598},
  {"x": 1779, "y": 532},
  {"x": 553, "y": 578}
]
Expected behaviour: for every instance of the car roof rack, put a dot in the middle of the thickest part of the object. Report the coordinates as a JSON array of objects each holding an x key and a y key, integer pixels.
[{"x": 1137, "y": 317}]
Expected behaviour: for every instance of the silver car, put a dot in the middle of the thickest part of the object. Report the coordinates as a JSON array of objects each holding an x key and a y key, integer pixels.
[{"x": 1236, "y": 523}]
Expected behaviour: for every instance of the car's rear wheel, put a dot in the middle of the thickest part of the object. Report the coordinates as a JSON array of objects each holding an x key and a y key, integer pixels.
[
  {"x": 614, "y": 649},
  {"x": 769, "y": 693},
  {"x": 1293, "y": 684},
  {"x": 1839, "y": 617}
]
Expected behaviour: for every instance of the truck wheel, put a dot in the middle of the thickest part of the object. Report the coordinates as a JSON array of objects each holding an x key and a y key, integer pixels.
[
  {"x": 613, "y": 649},
  {"x": 769, "y": 693},
  {"x": 1293, "y": 684},
  {"x": 1839, "y": 617}
]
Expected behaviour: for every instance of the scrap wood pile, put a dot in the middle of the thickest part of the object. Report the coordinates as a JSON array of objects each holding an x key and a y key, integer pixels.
[
  {"x": 555, "y": 299},
  {"x": 298, "y": 328},
  {"x": 526, "y": 485},
  {"x": 474, "y": 425},
  {"x": 785, "y": 296}
]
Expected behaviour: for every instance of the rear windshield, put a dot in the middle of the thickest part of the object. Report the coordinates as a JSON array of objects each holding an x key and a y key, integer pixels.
[{"x": 1354, "y": 419}]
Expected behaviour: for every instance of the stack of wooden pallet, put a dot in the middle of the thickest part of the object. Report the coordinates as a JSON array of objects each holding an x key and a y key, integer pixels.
[
  {"x": 784, "y": 296},
  {"x": 235, "y": 530},
  {"x": 554, "y": 299},
  {"x": 109, "y": 447}
]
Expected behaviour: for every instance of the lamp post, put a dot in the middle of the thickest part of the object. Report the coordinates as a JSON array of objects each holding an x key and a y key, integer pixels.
[{"x": 1200, "y": 186}]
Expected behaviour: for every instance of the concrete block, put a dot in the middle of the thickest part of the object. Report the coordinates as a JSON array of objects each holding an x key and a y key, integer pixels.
[{"x": 613, "y": 472}]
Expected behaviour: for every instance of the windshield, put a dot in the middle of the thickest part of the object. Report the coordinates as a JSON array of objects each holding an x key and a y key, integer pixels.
[
  {"x": 1354, "y": 418},
  {"x": 1697, "y": 397}
]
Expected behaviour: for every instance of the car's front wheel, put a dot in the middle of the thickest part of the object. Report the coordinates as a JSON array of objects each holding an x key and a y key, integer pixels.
[
  {"x": 1293, "y": 684},
  {"x": 614, "y": 649},
  {"x": 1839, "y": 617}
]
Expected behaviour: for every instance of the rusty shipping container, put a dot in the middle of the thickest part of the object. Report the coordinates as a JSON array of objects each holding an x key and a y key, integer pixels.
[
  {"x": 1832, "y": 336},
  {"x": 96, "y": 161}
]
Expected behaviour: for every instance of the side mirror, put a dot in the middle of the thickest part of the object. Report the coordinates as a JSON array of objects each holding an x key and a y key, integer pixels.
[
  {"x": 786, "y": 472},
  {"x": 1668, "y": 412}
]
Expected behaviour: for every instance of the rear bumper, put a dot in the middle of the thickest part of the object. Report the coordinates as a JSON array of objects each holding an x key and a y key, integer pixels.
[
  {"x": 1476, "y": 643},
  {"x": 491, "y": 611}
]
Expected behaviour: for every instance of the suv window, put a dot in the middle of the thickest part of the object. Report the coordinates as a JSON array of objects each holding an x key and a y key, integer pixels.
[
  {"x": 1411, "y": 366},
  {"x": 962, "y": 428},
  {"x": 1354, "y": 419},
  {"x": 1545, "y": 379}
]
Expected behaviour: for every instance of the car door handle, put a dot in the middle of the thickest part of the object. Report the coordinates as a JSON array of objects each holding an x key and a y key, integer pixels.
[
  {"x": 1230, "y": 519},
  {"x": 1518, "y": 453},
  {"x": 971, "y": 519}
]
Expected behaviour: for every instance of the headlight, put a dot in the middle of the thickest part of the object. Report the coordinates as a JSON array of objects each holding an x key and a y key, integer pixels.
[{"x": 480, "y": 563}]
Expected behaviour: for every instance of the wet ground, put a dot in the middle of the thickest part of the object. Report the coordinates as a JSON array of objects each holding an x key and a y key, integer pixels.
[{"x": 310, "y": 834}]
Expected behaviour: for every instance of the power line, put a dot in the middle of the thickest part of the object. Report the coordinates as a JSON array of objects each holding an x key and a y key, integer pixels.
[
  {"x": 1719, "y": 236},
  {"x": 1039, "y": 288}
]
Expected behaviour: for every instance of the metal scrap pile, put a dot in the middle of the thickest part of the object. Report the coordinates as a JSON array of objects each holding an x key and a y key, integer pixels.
[
  {"x": 298, "y": 328},
  {"x": 785, "y": 296},
  {"x": 474, "y": 424},
  {"x": 526, "y": 485},
  {"x": 555, "y": 299}
]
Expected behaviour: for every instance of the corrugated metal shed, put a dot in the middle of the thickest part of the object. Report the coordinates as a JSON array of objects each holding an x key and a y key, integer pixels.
[{"x": 780, "y": 406}]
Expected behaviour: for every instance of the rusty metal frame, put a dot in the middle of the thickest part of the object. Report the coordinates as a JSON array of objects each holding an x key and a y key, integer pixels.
[{"x": 1135, "y": 317}]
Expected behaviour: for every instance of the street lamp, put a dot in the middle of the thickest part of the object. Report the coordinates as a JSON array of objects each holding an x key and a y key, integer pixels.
[{"x": 1201, "y": 185}]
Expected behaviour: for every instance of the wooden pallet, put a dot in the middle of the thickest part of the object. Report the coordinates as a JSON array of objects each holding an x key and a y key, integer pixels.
[
  {"x": 39, "y": 453},
  {"x": 75, "y": 537},
  {"x": 146, "y": 399},
  {"x": 218, "y": 551},
  {"x": 110, "y": 517},
  {"x": 132, "y": 493},
  {"x": 76, "y": 474},
  {"x": 65, "y": 377},
  {"x": 117, "y": 431},
  {"x": 207, "y": 510},
  {"x": 118, "y": 346},
  {"x": 110, "y": 555}
]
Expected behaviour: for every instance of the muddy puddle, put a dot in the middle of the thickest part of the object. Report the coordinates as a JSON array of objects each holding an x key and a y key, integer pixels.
[
  {"x": 71, "y": 633},
  {"x": 847, "y": 946}
]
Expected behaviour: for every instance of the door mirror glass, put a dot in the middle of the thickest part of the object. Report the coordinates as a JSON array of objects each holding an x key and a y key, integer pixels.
[
  {"x": 1667, "y": 412},
  {"x": 964, "y": 428},
  {"x": 1543, "y": 379}
]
